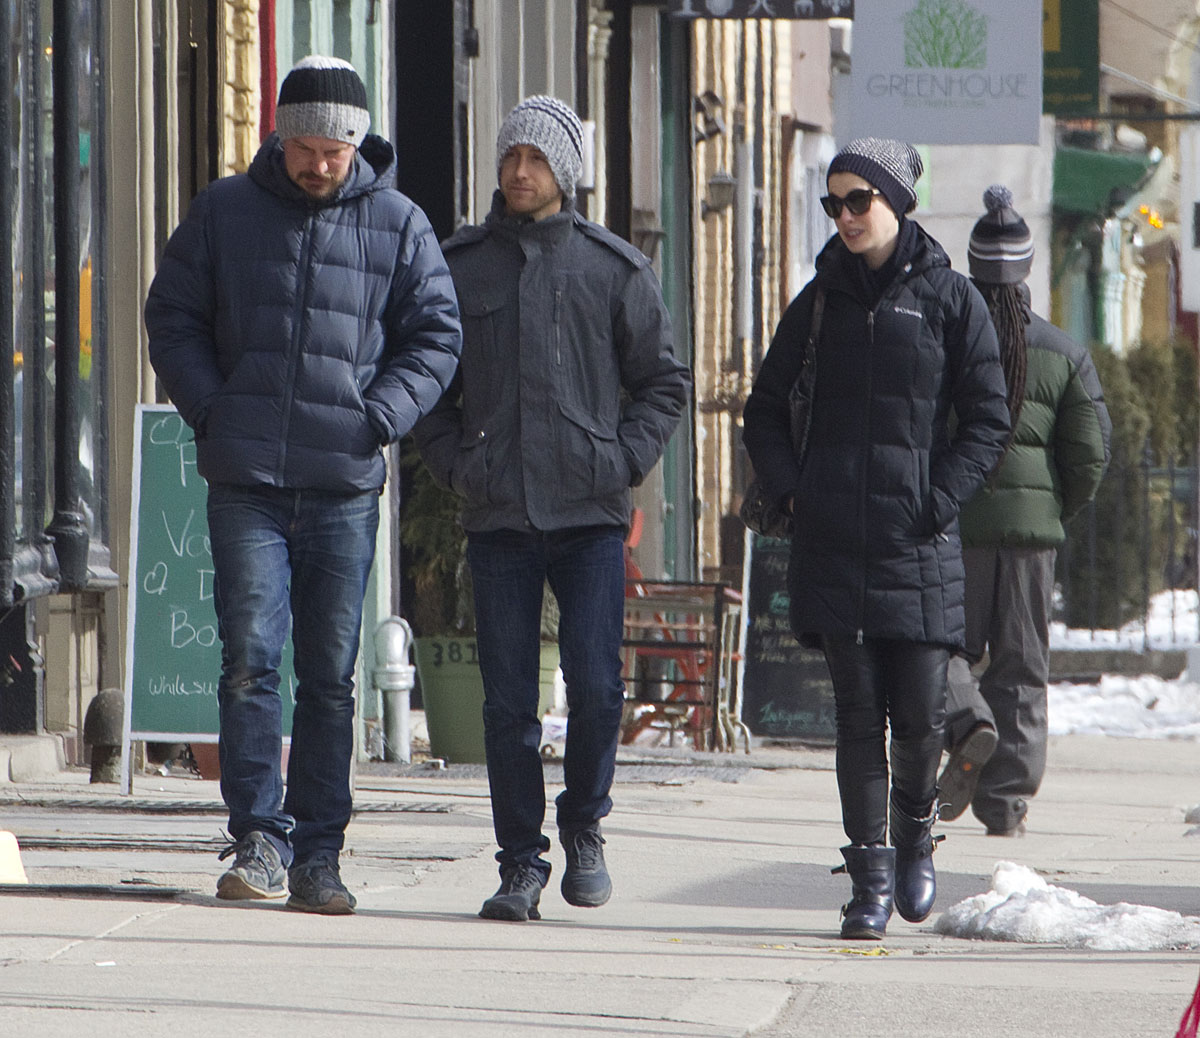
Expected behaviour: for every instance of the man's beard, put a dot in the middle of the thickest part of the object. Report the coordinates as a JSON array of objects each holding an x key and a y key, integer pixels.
[{"x": 317, "y": 187}]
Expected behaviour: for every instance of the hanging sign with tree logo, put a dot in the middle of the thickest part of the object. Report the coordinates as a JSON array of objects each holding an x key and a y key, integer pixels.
[
  {"x": 806, "y": 9},
  {"x": 948, "y": 72}
]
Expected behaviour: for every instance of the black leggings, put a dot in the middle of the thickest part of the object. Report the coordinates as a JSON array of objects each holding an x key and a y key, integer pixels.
[{"x": 876, "y": 682}]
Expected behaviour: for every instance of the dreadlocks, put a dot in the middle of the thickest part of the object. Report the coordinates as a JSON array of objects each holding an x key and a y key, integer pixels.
[{"x": 1009, "y": 308}]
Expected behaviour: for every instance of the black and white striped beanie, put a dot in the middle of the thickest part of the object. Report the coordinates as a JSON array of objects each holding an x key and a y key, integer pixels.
[
  {"x": 323, "y": 97},
  {"x": 892, "y": 166},
  {"x": 1000, "y": 251},
  {"x": 550, "y": 126}
]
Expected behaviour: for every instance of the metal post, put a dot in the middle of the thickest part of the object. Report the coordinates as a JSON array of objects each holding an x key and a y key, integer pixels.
[
  {"x": 1146, "y": 458},
  {"x": 67, "y": 527},
  {"x": 7, "y": 343},
  {"x": 743, "y": 241}
]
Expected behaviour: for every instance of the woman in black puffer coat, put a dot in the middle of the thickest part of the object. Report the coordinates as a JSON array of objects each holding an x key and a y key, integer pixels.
[{"x": 876, "y": 574}]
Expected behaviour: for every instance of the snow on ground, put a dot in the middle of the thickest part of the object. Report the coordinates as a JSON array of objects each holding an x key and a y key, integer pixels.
[
  {"x": 1172, "y": 623},
  {"x": 1143, "y": 707},
  {"x": 1023, "y": 907}
]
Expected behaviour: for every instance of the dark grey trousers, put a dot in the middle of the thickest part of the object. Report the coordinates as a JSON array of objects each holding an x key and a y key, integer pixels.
[{"x": 1008, "y": 616}]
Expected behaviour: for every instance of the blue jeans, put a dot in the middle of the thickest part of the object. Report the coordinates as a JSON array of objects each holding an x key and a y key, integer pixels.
[
  {"x": 586, "y": 571},
  {"x": 301, "y": 556}
]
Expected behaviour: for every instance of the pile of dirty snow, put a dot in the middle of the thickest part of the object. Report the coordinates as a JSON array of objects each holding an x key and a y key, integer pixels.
[{"x": 1021, "y": 906}]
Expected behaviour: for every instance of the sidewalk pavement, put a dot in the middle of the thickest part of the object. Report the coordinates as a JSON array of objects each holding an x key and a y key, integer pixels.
[{"x": 723, "y": 921}]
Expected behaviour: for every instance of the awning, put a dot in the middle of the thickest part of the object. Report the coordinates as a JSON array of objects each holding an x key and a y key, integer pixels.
[{"x": 1097, "y": 182}]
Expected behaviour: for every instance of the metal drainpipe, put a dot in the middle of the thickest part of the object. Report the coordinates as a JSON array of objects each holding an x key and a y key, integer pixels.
[{"x": 393, "y": 679}]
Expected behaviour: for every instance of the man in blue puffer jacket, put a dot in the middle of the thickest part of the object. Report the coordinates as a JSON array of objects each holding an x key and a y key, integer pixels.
[{"x": 302, "y": 318}]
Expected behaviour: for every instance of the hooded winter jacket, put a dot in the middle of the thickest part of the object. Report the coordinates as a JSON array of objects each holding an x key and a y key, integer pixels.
[
  {"x": 1058, "y": 453},
  {"x": 876, "y": 551},
  {"x": 297, "y": 337},
  {"x": 568, "y": 389}
]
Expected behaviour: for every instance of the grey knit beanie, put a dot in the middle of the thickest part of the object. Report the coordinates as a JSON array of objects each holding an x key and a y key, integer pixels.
[
  {"x": 892, "y": 166},
  {"x": 323, "y": 97},
  {"x": 1000, "y": 251},
  {"x": 550, "y": 126}
]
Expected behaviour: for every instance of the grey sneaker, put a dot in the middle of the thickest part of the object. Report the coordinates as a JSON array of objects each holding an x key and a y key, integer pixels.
[
  {"x": 585, "y": 882},
  {"x": 518, "y": 896},
  {"x": 317, "y": 886},
  {"x": 960, "y": 777},
  {"x": 257, "y": 870}
]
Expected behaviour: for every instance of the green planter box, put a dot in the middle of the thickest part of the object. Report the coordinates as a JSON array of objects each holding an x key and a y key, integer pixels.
[{"x": 452, "y": 690}]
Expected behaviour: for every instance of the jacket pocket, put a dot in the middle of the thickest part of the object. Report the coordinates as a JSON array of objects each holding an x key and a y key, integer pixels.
[
  {"x": 468, "y": 473},
  {"x": 590, "y": 459},
  {"x": 479, "y": 319}
]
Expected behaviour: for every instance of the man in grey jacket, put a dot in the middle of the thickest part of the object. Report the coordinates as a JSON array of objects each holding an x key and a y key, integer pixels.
[
  {"x": 302, "y": 318},
  {"x": 566, "y": 396}
]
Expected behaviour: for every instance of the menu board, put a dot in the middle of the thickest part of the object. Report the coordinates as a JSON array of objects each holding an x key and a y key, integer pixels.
[{"x": 786, "y": 692}]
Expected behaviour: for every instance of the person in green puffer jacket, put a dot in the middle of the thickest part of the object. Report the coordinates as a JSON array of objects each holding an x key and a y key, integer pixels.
[{"x": 996, "y": 722}]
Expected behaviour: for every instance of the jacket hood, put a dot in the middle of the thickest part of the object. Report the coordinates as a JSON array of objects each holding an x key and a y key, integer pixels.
[{"x": 374, "y": 169}]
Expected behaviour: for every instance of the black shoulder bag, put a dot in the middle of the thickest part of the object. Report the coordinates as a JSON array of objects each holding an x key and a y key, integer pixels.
[{"x": 758, "y": 512}]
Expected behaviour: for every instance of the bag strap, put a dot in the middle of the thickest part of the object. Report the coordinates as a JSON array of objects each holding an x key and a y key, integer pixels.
[{"x": 814, "y": 325}]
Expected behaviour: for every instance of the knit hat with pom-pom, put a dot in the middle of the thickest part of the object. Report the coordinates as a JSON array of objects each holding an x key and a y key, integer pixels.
[{"x": 1000, "y": 251}]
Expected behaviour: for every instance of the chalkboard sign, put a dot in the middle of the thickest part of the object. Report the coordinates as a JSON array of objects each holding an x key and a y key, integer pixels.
[
  {"x": 172, "y": 653},
  {"x": 786, "y": 691}
]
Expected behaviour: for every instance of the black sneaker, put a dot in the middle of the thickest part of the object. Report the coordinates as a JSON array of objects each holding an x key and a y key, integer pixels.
[
  {"x": 585, "y": 883},
  {"x": 518, "y": 896},
  {"x": 257, "y": 870},
  {"x": 317, "y": 886},
  {"x": 960, "y": 777}
]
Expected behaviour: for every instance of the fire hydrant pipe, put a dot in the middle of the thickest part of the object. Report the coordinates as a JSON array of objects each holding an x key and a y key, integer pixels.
[{"x": 394, "y": 677}]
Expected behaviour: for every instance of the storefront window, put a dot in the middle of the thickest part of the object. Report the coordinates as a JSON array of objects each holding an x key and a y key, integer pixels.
[{"x": 348, "y": 29}]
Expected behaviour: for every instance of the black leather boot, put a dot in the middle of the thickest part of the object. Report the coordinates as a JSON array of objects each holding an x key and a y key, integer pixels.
[
  {"x": 872, "y": 872},
  {"x": 916, "y": 881}
]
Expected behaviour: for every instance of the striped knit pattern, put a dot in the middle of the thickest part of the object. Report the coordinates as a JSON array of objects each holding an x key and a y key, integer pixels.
[
  {"x": 550, "y": 126},
  {"x": 891, "y": 166},
  {"x": 323, "y": 97},
  {"x": 1000, "y": 251}
]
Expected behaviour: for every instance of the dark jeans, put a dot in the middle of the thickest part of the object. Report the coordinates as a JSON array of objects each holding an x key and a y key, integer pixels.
[
  {"x": 1008, "y": 604},
  {"x": 586, "y": 571},
  {"x": 280, "y": 556},
  {"x": 873, "y": 683}
]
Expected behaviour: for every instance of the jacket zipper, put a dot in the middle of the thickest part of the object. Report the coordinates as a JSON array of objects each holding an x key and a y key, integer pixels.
[
  {"x": 557, "y": 325},
  {"x": 289, "y": 386},
  {"x": 862, "y": 479}
]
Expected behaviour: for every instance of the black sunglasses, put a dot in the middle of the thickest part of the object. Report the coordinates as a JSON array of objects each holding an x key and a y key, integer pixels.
[{"x": 857, "y": 201}]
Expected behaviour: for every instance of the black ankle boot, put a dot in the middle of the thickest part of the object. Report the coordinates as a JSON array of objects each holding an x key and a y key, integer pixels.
[
  {"x": 872, "y": 872},
  {"x": 916, "y": 881}
]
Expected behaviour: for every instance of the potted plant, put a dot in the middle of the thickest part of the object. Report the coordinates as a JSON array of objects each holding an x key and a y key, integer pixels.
[{"x": 443, "y": 616}]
